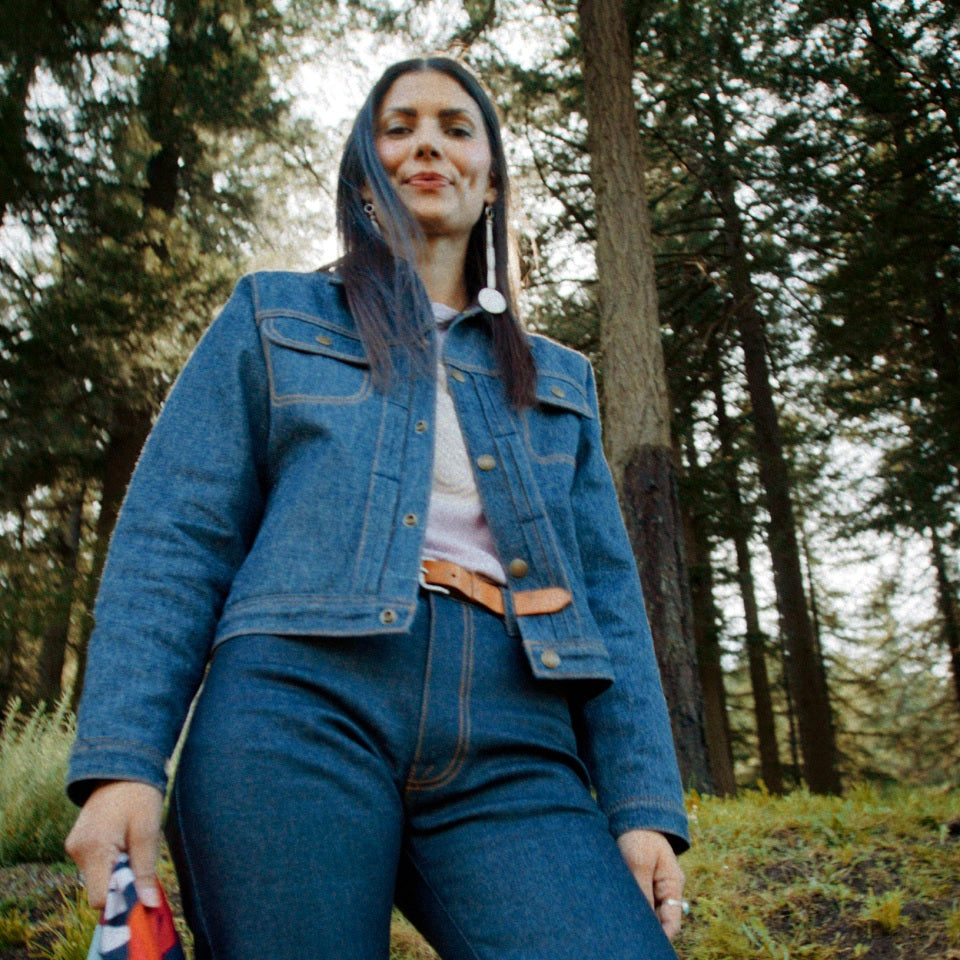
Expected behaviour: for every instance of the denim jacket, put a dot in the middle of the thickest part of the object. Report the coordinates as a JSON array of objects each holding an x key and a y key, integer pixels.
[{"x": 281, "y": 492}]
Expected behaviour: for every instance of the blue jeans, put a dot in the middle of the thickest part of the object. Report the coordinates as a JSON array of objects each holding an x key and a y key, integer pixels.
[{"x": 324, "y": 779}]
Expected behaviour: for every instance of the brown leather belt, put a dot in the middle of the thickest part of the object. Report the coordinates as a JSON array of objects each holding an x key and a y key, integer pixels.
[{"x": 464, "y": 584}]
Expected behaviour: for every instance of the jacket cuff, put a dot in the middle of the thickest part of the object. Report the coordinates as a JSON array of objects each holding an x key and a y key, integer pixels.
[
  {"x": 93, "y": 762},
  {"x": 641, "y": 815}
]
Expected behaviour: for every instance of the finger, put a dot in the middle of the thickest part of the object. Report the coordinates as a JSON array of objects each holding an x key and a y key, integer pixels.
[
  {"x": 643, "y": 874},
  {"x": 143, "y": 841},
  {"x": 95, "y": 874},
  {"x": 670, "y": 914},
  {"x": 95, "y": 862},
  {"x": 639, "y": 850},
  {"x": 668, "y": 886},
  {"x": 668, "y": 880},
  {"x": 642, "y": 870}
]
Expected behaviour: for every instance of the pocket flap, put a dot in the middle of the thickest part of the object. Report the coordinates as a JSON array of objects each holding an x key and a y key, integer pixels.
[
  {"x": 555, "y": 390},
  {"x": 311, "y": 336}
]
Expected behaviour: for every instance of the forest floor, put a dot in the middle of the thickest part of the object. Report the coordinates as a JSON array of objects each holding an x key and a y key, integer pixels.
[{"x": 874, "y": 875}]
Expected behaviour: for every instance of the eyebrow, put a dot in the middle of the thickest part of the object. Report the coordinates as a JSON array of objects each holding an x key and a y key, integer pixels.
[{"x": 445, "y": 114}]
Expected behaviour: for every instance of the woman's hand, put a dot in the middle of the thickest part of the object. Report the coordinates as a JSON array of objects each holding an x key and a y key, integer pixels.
[
  {"x": 654, "y": 866},
  {"x": 120, "y": 816}
]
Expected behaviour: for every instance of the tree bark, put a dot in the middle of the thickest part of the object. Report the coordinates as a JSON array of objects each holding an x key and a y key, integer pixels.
[
  {"x": 10, "y": 639},
  {"x": 755, "y": 640},
  {"x": 637, "y": 408},
  {"x": 947, "y": 604},
  {"x": 706, "y": 634},
  {"x": 56, "y": 633},
  {"x": 15, "y": 171},
  {"x": 126, "y": 439}
]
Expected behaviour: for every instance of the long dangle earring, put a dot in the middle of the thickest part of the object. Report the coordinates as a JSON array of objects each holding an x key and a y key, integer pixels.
[
  {"x": 490, "y": 298},
  {"x": 371, "y": 213}
]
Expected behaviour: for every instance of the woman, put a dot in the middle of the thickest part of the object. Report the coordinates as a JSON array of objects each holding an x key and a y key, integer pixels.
[{"x": 378, "y": 515}]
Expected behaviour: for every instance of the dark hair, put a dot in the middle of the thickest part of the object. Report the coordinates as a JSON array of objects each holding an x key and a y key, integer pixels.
[{"x": 384, "y": 292}]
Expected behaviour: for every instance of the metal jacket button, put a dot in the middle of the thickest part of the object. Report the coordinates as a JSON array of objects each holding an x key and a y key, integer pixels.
[
  {"x": 518, "y": 568},
  {"x": 388, "y": 616},
  {"x": 550, "y": 659},
  {"x": 458, "y": 375},
  {"x": 420, "y": 426},
  {"x": 558, "y": 391},
  {"x": 486, "y": 462},
  {"x": 410, "y": 520},
  {"x": 325, "y": 340}
]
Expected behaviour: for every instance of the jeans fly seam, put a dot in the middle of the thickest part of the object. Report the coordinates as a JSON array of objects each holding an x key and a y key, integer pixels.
[{"x": 463, "y": 714}]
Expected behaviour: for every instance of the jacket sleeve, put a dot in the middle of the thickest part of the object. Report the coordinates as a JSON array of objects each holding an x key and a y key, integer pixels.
[
  {"x": 189, "y": 517},
  {"x": 625, "y": 734}
]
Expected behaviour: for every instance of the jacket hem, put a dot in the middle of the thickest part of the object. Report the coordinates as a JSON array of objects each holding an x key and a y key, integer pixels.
[
  {"x": 314, "y": 615},
  {"x": 573, "y": 658},
  {"x": 669, "y": 821},
  {"x": 94, "y": 762}
]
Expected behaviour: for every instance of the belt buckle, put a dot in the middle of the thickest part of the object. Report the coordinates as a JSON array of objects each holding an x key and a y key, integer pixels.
[{"x": 432, "y": 587}]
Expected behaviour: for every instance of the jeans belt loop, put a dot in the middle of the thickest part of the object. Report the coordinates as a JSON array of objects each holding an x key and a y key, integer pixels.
[{"x": 509, "y": 616}]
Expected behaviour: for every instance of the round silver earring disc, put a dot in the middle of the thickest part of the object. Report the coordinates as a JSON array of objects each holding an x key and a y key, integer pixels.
[{"x": 492, "y": 300}]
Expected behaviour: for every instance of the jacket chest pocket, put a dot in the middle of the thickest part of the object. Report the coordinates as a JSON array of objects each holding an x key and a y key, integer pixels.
[
  {"x": 308, "y": 362},
  {"x": 552, "y": 429}
]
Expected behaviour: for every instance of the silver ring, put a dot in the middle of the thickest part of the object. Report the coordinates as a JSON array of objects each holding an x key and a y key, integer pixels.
[{"x": 684, "y": 905}]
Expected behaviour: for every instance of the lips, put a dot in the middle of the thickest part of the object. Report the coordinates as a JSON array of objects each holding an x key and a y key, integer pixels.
[{"x": 427, "y": 180}]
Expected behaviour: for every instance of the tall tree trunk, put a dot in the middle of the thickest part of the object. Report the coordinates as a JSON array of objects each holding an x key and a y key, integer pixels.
[
  {"x": 10, "y": 640},
  {"x": 56, "y": 633},
  {"x": 126, "y": 439},
  {"x": 793, "y": 736},
  {"x": 706, "y": 634},
  {"x": 755, "y": 641},
  {"x": 804, "y": 668},
  {"x": 637, "y": 407},
  {"x": 131, "y": 423},
  {"x": 15, "y": 171},
  {"x": 947, "y": 605}
]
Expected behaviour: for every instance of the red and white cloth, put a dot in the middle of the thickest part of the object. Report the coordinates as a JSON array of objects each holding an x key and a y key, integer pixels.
[{"x": 130, "y": 931}]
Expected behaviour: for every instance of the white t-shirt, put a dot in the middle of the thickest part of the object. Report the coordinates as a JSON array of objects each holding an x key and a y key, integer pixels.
[{"x": 456, "y": 527}]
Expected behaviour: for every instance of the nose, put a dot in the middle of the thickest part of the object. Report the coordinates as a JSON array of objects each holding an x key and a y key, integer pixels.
[{"x": 428, "y": 141}]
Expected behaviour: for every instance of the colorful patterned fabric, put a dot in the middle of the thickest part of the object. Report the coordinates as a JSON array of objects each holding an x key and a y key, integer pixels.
[{"x": 130, "y": 931}]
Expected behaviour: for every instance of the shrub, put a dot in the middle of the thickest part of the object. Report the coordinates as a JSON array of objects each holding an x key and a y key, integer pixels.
[
  {"x": 67, "y": 934},
  {"x": 14, "y": 928},
  {"x": 35, "y": 814},
  {"x": 886, "y": 911}
]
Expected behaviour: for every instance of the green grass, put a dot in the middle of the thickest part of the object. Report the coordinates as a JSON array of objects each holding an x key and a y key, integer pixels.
[
  {"x": 871, "y": 875},
  {"x": 15, "y": 928},
  {"x": 874, "y": 875},
  {"x": 68, "y": 930},
  {"x": 35, "y": 814}
]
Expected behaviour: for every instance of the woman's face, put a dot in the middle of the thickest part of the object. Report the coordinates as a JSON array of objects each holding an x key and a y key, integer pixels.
[{"x": 433, "y": 145}]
